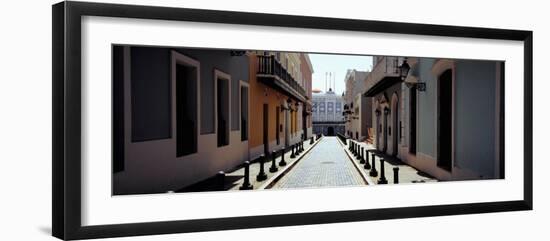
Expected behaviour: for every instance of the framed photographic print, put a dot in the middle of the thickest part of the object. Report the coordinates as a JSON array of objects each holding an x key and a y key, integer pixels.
[{"x": 169, "y": 120}]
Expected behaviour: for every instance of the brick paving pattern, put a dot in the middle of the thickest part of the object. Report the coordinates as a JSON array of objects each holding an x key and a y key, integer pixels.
[{"x": 326, "y": 165}]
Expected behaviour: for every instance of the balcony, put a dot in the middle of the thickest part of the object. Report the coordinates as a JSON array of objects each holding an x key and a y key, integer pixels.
[
  {"x": 384, "y": 74},
  {"x": 273, "y": 74}
]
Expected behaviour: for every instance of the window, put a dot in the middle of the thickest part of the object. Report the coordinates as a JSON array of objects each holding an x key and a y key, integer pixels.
[{"x": 150, "y": 94}]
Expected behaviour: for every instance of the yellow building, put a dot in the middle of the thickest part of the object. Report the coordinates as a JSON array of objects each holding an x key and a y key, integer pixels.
[{"x": 278, "y": 96}]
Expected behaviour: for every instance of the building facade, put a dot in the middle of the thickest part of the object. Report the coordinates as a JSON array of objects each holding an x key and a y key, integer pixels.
[
  {"x": 444, "y": 117},
  {"x": 182, "y": 115},
  {"x": 280, "y": 86},
  {"x": 357, "y": 108},
  {"x": 173, "y": 110},
  {"x": 327, "y": 109}
]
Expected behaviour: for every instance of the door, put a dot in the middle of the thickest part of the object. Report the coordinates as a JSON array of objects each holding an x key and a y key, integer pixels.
[
  {"x": 330, "y": 131},
  {"x": 412, "y": 121},
  {"x": 223, "y": 111},
  {"x": 287, "y": 128},
  {"x": 266, "y": 129},
  {"x": 393, "y": 129},
  {"x": 385, "y": 134},
  {"x": 186, "y": 109},
  {"x": 277, "y": 123},
  {"x": 304, "y": 121},
  {"x": 445, "y": 117}
]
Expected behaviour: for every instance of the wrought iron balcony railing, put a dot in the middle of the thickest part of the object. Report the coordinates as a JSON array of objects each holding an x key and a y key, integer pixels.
[
  {"x": 386, "y": 67},
  {"x": 268, "y": 65}
]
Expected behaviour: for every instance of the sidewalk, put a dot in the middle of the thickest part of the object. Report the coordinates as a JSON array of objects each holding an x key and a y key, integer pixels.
[
  {"x": 234, "y": 179},
  {"x": 407, "y": 174}
]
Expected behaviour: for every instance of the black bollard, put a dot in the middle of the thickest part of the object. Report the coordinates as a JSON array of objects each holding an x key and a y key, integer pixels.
[
  {"x": 311, "y": 140},
  {"x": 302, "y": 146},
  {"x": 362, "y": 161},
  {"x": 246, "y": 183},
  {"x": 261, "y": 175},
  {"x": 367, "y": 164},
  {"x": 382, "y": 179},
  {"x": 292, "y": 155},
  {"x": 396, "y": 175},
  {"x": 282, "y": 162},
  {"x": 273, "y": 167},
  {"x": 373, "y": 172},
  {"x": 220, "y": 180}
]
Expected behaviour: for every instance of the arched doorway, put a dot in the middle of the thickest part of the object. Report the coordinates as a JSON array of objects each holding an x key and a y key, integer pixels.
[
  {"x": 394, "y": 127},
  {"x": 377, "y": 126},
  {"x": 330, "y": 131}
]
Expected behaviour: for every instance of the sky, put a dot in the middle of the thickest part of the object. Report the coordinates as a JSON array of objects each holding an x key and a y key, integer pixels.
[{"x": 338, "y": 66}]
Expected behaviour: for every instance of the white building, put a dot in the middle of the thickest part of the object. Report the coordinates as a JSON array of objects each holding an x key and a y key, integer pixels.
[
  {"x": 327, "y": 113},
  {"x": 444, "y": 117}
]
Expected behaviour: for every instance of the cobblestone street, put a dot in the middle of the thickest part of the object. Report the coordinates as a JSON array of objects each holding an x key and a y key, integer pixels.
[{"x": 326, "y": 165}]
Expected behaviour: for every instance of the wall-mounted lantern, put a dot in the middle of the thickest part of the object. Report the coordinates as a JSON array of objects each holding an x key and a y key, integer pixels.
[
  {"x": 377, "y": 112},
  {"x": 386, "y": 111},
  {"x": 404, "y": 70}
]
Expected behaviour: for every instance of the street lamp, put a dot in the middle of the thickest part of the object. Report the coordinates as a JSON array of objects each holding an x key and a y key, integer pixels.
[{"x": 404, "y": 72}]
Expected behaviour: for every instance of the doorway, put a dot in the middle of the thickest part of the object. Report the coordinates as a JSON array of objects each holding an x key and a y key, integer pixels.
[
  {"x": 222, "y": 111},
  {"x": 277, "y": 123},
  {"x": 266, "y": 129},
  {"x": 186, "y": 108},
  {"x": 385, "y": 129},
  {"x": 393, "y": 129},
  {"x": 445, "y": 119},
  {"x": 244, "y": 113},
  {"x": 330, "y": 131},
  {"x": 412, "y": 121}
]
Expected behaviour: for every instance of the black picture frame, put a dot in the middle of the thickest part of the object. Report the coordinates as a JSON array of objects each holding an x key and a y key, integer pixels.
[{"x": 66, "y": 75}]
